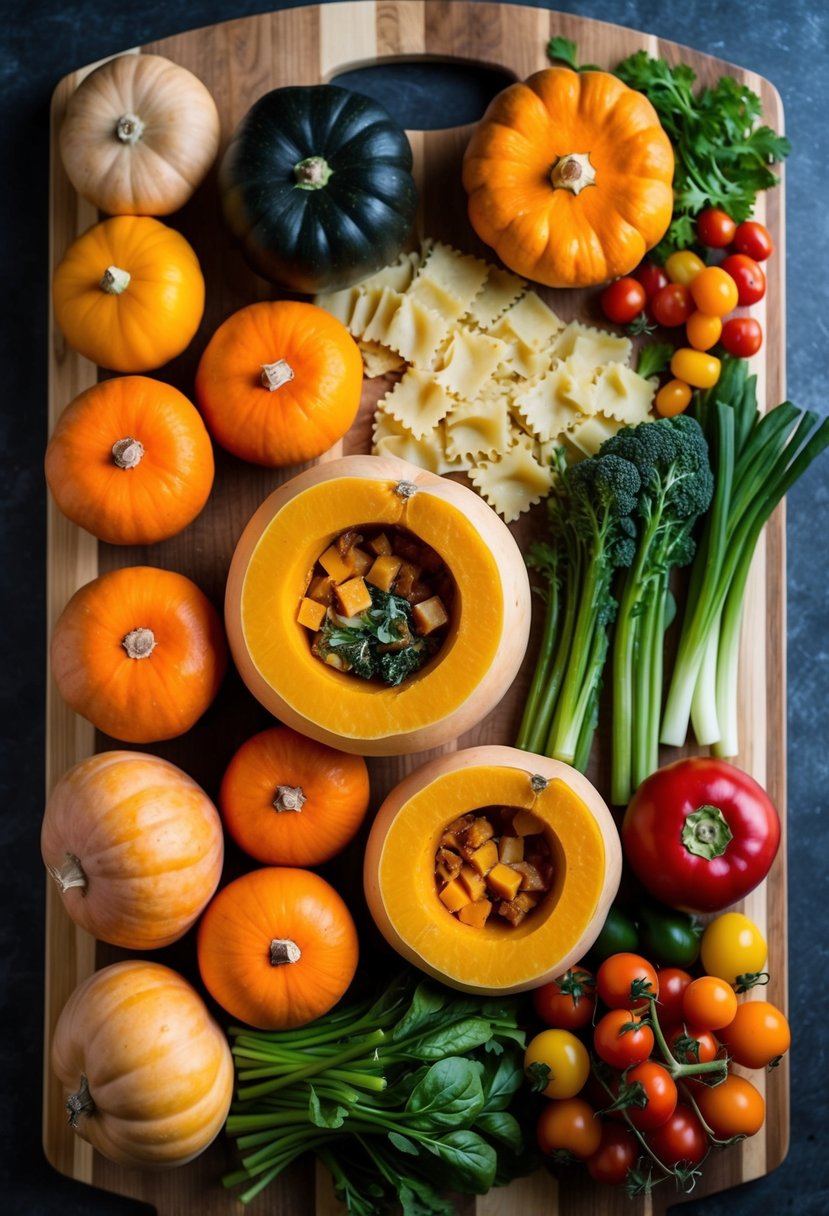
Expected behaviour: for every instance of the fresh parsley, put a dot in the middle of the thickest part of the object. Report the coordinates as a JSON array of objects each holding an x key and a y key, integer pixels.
[{"x": 654, "y": 359}]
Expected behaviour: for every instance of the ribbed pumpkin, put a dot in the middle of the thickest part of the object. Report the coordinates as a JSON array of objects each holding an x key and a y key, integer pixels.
[
  {"x": 129, "y": 293},
  {"x": 277, "y": 947},
  {"x": 290, "y": 801},
  {"x": 130, "y": 460},
  {"x": 569, "y": 177},
  {"x": 147, "y": 1071},
  {"x": 135, "y": 847},
  {"x": 140, "y": 652},
  {"x": 139, "y": 135},
  {"x": 279, "y": 382},
  {"x": 496, "y": 958}
]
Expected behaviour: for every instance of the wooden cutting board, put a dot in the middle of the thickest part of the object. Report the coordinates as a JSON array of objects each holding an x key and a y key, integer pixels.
[{"x": 239, "y": 61}]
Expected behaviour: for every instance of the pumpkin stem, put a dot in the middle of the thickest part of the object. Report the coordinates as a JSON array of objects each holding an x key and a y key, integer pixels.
[
  {"x": 80, "y": 1103},
  {"x": 283, "y": 950},
  {"x": 129, "y": 128},
  {"x": 274, "y": 375},
  {"x": 405, "y": 489},
  {"x": 289, "y": 798},
  {"x": 127, "y": 452},
  {"x": 312, "y": 173},
  {"x": 139, "y": 643},
  {"x": 114, "y": 280},
  {"x": 573, "y": 172},
  {"x": 538, "y": 783},
  {"x": 70, "y": 874}
]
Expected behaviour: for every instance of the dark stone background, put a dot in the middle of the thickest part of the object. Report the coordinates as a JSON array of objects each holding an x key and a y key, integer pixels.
[{"x": 42, "y": 41}]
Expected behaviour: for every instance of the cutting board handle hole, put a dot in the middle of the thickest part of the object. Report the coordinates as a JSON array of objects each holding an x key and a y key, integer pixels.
[{"x": 427, "y": 92}]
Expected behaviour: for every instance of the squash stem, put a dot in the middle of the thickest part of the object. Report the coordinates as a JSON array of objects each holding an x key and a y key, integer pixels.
[
  {"x": 312, "y": 173},
  {"x": 114, "y": 280},
  {"x": 80, "y": 1102},
  {"x": 127, "y": 453},
  {"x": 129, "y": 128},
  {"x": 70, "y": 874}
]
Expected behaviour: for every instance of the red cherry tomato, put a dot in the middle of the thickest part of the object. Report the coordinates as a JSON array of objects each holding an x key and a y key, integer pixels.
[
  {"x": 672, "y": 305},
  {"x": 626, "y": 981},
  {"x": 715, "y": 228},
  {"x": 742, "y": 337},
  {"x": 623, "y": 300},
  {"x": 621, "y": 1040},
  {"x": 681, "y": 1139},
  {"x": 652, "y": 278},
  {"x": 568, "y": 1002},
  {"x": 672, "y": 983},
  {"x": 748, "y": 275},
  {"x": 660, "y": 1095},
  {"x": 754, "y": 240},
  {"x": 617, "y": 1153}
]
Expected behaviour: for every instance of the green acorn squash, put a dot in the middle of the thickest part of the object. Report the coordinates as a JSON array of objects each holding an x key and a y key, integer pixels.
[{"x": 316, "y": 185}]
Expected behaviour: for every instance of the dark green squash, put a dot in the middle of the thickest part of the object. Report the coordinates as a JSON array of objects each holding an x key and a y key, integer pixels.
[{"x": 316, "y": 184}]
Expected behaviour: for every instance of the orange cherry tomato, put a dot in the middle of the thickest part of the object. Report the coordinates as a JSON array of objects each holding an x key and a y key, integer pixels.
[
  {"x": 691, "y": 1044},
  {"x": 695, "y": 367},
  {"x": 683, "y": 266},
  {"x": 703, "y": 331},
  {"x": 714, "y": 291},
  {"x": 758, "y": 1034},
  {"x": 735, "y": 1107},
  {"x": 673, "y": 398},
  {"x": 569, "y": 1125},
  {"x": 709, "y": 1003}
]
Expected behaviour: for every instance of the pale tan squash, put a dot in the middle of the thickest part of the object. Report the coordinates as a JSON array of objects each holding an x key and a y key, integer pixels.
[
  {"x": 486, "y": 638},
  {"x": 139, "y": 135},
  {"x": 496, "y": 958}
]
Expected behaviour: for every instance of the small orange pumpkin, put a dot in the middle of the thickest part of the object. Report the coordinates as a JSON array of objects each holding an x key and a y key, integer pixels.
[
  {"x": 288, "y": 800},
  {"x": 277, "y": 948},
  {"x": 135, "y": 847},
  {"x": 147, "y": 1071},
  {"x": 140, "y": 652},
  {"x": 129, "y": 293},
  {"x": 279, "y": 382},
  {"x": 130, "y": 460},
  {"x": 569, "y": 177}
]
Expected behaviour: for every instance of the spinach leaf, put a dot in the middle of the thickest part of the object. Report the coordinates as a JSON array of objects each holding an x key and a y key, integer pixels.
[
  {"x": 502, "y": 1078},
  {"x": 455, "y": 1039},
  {"x": 469, "y": 1162},
  {"x": 324, "y": 1113},
  {"x": 418, "y": 1198},
  {"x": 403, "y": 1144},
  {"x": 427, "y": 1001},
  {"x": 503, "y": 1128},
  {"x": 449, "y": 1095}
]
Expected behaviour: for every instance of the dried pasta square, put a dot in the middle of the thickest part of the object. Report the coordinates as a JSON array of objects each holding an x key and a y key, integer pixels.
[
  {"x": 477, "y": 428},
  {"x": 469, "y": 361},
  {"x": 458, "y": 276},
  {"x": 513, "y": 483},
  {"x": 552, "y": 404},
  {"x": 418, "y": 401},
  {"x": 623, "y": 394},
  {"x": 378, "y": 360},
  {"x": 415, "y": 332},
  {"x": 589, "y": 435},
  {"x": 501, "y": 289},
  {"x": 531, "y": 321}
]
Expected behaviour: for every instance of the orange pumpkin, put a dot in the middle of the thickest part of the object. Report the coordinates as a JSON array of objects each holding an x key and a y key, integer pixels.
[
  {"x": 277, "y": 948},
  {"x": 569, "y": 177},
  {"x": 288, "y": 800},
  {"x": 130, "y": 461},
  {"x": 140, "y": 652},
  {"x": 279, "y": 382},
  {"x": 135, "y": 847},
  {"x": 129, "y": 294},
  {"x": 147, "y": 1071}
]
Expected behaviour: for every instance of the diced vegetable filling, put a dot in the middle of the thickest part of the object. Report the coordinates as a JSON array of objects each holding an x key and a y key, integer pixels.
[
  {"x": 493, "y": 861},
  {"x": 378, "y": 603}
]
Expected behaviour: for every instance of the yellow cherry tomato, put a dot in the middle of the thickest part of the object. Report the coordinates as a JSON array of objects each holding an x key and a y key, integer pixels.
[
  {"x": 565, "y": 1057},
  {"x": 673, "y": 398},
  {"x": 714, "y": 292},
  {"x": 695, "y": 367},
  {"x": 733, "y": 948},
  {"x": 703, "y": 331},
  {"x": 683, "y": 266}
]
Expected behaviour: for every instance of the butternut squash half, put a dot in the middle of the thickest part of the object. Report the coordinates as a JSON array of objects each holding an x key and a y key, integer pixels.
[
  {"x": 484, "y": 642},
  {"x": 496, "y": 957}
]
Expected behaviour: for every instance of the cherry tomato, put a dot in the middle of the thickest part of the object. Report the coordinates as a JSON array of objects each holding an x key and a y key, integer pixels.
[
  {"x": 754, "y": 240},
  {"x": 621, "y": 1039},
  {"x": 691, "y": 1044},
  {"x": 626, "y": 980},
  {"x": 681, "y": 1139},
  {"x": 714, "y": 291},
  {"x": 715, "y": 228},
  {"x": 695, "y": 367},
  {"x": 742, "y": 337},
  {"x": 618, "y": 1152},
  {"x": 567, "y": 1002},
  {"x": 758, "y": 1034},
  {"x": 623, "y": 300},
  {"x": 748, "y": 275},
  {"x": 672, "y": 983},
  {"x": 660, "y": 1092},
  {"x": 565, "y": 1056},
  {"x": 709, "y": 1003},
  {"x": 703, "y": 331},
  {"x": 652, "y": 278},
  {"x": 569, "y": 1125},
  {"x": 673, "y": 398},
  {"x": 733, "y": 1108},
  {"x": 672, "y": 305},
  {"x": 683, "y": 266},
  {"x": 732, "y": 947}
]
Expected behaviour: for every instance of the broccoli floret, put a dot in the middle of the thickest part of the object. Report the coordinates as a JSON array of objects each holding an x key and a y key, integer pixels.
[{"x": 671, "y": 456}]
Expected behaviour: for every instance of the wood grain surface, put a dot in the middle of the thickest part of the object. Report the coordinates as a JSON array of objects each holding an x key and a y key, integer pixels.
[{"x": 239, "y": 61}]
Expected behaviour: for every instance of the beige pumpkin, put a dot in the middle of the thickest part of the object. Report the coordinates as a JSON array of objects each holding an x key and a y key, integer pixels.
[
  {"x": 496, "y": 957},
  {"x": 135, "y": 847},
  {"x": 489, "y": 620},
  {"x": 147, "y": 1071},
  {"x": 139, "y": 135}
]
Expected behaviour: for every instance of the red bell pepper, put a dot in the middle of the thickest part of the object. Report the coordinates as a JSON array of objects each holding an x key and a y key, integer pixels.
[{"x": 700, "y": 834}]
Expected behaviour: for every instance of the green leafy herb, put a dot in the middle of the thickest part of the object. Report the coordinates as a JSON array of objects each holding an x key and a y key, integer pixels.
[
  {"x": 654, "y": 358},
  {"x": 565, "y": 51},
  {"x": 380, "y": 644}
]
